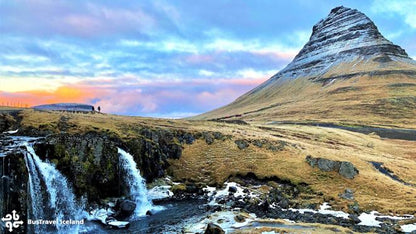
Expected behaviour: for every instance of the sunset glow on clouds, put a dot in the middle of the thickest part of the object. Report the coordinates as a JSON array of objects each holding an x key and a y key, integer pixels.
[{"x": 159, "y": 58}]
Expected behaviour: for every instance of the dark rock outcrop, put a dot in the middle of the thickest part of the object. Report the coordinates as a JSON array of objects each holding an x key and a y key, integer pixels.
[
  {"x": 213, "y": 229},
  {"x": 91, "y": 160},
  {"x": 14, "y": 188},
  {"x": 345, "y": 169}
]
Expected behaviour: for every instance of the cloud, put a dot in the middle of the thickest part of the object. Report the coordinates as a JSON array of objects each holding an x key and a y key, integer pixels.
[
  {"x": 161, "y": 98},
  {"x": 404, "y": 8},
  {"x": 159, "y": 58}
]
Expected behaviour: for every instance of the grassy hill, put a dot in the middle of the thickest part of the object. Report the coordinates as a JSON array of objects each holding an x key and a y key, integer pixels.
[
  {"x": 370, "y": 99},
  {"x": 215, "y": 156}
]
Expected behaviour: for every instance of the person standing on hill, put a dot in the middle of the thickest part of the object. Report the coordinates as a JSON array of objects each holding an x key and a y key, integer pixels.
[{"x": 99, "y": 108}]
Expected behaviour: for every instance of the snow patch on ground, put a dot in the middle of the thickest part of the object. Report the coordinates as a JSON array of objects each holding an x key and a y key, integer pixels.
[
  {"x": 370, "y": 219},
  {"x": 324, "y": 209},
  {"x": 159, "y": 192},
  {"x": 215, "y": 194},
  {"x": 224, "y": 219},
  {"x": 409, "y": 227}
]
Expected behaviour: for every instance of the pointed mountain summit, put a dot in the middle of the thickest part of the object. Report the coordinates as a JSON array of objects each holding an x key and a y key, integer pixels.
[{"x": 346, "y": 72}]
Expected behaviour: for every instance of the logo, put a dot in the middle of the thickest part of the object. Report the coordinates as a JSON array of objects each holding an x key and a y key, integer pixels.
[{"x": 12, "y": 221}]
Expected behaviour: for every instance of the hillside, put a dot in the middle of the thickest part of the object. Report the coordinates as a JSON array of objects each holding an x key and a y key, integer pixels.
[
  {"x": 347, "y": 73},
  {"x": 220, "y": 150}
]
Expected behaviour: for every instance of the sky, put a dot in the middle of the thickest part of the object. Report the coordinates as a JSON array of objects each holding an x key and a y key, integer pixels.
[{"x": 163, "y": 58}]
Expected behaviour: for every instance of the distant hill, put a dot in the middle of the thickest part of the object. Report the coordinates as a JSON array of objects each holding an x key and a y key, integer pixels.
[
  {"x": 346, "y": 72},
  {"x": 65, "y": 107}
]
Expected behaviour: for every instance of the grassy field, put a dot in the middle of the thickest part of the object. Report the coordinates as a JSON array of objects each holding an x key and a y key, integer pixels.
[{"x": 214, "y": 163}]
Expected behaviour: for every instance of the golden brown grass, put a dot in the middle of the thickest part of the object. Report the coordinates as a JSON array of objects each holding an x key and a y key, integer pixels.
[
  {"x": 214, "y": 163},
  {"x": 373, "y": 190}
]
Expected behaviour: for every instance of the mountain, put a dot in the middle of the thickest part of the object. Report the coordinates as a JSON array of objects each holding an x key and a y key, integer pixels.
[{"x": 346, "y": 72}]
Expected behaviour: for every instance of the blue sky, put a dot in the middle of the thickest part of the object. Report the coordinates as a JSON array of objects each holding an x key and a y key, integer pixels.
[{"x": 163, "y": 58}]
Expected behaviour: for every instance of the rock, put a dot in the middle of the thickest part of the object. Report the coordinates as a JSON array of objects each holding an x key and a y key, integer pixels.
[
  {"x": 284, "y": 203},
  {"x": 217, "y": 135},
  {"x": 328, "y": 165},
  {"x": 232, "y": 189},
  {"x": 242, "y": 144},
  {"x": 355, "y": 208},
  {"x": 187, "y": 138},
  {"x": 124, "y": 208},
  {"x": 345, "y": 169},
  {"x": 354, "y": 218},
  {"x": 191, "y": 188},
  {"x": 258, "y": 143},
  {"x": 348, "y": 194},
  {"x": 149, "y": 213},
  {"x": 214, "y": 229},
  {"x": 348, "y": 170},
  {"x": 239, "y": 218},
  {"x": 208, "y": 138},
  {"x": 311, "y": 161}
]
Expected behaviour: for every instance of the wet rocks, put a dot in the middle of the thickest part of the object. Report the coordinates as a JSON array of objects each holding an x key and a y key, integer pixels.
[
  {"x": 345, "y": 169},
  {"x": 232, "y": 189},
  {"x": 124, "y": 209},
  {"x": 14, "y": 188},
  {"x": 213, "y": 229},
  {"x": 239, "y": 218}
]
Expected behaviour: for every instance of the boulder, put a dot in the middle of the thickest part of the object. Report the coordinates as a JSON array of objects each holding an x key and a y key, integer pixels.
[
  {"x": 345, "y": 169},
  {"x": 239, "y": 218},
  {"x": 214, "y": 229},
  {"x": 348, "y": 170},
  {"x": 124, "y": 208},
  {"x": 328, "y": 165},
  {"x": 232, "y": 189}
]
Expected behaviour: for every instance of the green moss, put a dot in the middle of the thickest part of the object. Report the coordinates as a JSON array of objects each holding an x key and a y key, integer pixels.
[
  {"x": 59, "y": 150},
  {"x": 55, "y": 161},
  {"x": 178, "y": 187}
]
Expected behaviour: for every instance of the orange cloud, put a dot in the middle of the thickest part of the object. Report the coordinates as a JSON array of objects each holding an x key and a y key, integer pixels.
[{"x": 37, "y": 97}]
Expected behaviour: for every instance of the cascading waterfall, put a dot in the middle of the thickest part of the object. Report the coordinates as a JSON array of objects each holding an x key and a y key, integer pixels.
[
  {"x": 135, "y": 183},
  {"x": 60, "y": 203}
]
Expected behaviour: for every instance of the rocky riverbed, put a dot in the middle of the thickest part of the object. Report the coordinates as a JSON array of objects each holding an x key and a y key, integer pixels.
[{"x": 251, "y": 205}]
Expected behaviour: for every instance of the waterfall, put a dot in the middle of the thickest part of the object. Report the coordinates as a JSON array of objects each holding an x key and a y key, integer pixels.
[
  {"x": 56, "y": 201},
  {"x": 135, "y": 183}
]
